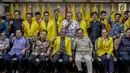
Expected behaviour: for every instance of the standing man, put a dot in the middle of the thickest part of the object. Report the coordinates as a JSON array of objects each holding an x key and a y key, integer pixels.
[
  {"x": 117, "y": 28},
  {"x": 58, "y": 20},
  {"x": 104, "y": 20},
  {"x": 95, "y": 28},
  {"x": 30, "y": 27},
  {"x": 6, "y": 24},
  {"x": 48, "y": 25},
  {"x": 82, "y": 23},
  {"x": 125, "y": 17},
  {"x": 16, "y": 22},
  {"x": 70, "y": 25}
]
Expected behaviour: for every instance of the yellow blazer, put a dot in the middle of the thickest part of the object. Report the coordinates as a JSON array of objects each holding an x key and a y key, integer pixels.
[
  {"x": 51, "y": 28},
  {"x": 126, "y": 25},
  {"x": 29, "y": 31},
  {"x": 84, "y": 25},
  {"x": 107, "y": 25},
  {"x": 56, "y": 45},
  {"x": 105, "y": 46}
]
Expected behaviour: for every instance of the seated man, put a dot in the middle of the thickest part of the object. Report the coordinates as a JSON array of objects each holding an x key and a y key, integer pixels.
[
  {"x": 40, "y": 51},
  {"x": 83, "y": 50},
  {"x": 20, "y": 45},
  {"x": 4, "y": 42},
  {"x": 124, "y": 46},
  {"x": 61, "y": 50},
  {"x": 124, "y": 50},
  {"x": 4, "y": 45}
]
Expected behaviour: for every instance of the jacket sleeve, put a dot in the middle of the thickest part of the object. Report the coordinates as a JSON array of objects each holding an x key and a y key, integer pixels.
[
  {"x": 69, "y": 47},
  {"x": 53, "y": 31},
  {"x": 111, "y": 47}
]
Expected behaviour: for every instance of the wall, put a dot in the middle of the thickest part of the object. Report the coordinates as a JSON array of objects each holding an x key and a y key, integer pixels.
[{"x": 107, "y": 5}]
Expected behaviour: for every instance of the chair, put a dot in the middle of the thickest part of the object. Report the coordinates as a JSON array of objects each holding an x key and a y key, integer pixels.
[{"x": 14, "y": 62}]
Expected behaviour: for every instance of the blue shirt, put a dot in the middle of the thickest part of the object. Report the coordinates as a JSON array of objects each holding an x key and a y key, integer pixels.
[
  {"x": 6, "y": 24},
  {"x": 95, "y": 30},
  {"x": 17, "y": 24},
  {"x": 1, "y": 27},
  {"x": 19, "y": 45},
  {"x": 117, "y": 29}
]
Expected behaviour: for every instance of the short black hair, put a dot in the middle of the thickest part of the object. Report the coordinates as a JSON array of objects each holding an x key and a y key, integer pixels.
[
  {"x": 78, "y": 13},
  {"x": 103, "y": 12},
  {"x": 2, "y": 32},
  {"x": 45, "y": 31},
  {"x": 95, "y": 13},
  {"x": 17, "y": 11},
  {"x": 79, "y": 29},
  {"x": 56, "y": 10},
  {"x": 29, "y": 14},
  {"x": 118, "y": 14},
  {"x": 46, "y": 12},
  {"x": 37, "y": 13},
  {"x": 127, "y": 29},
  {"x": 126, "y": 12},
  {"x": 20, "y": 30}
]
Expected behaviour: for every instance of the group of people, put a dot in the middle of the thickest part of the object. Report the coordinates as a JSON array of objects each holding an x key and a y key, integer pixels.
[{"x": 65, "y": 39}]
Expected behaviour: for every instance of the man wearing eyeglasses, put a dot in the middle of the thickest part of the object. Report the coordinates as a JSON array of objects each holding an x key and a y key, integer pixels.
[{"x": 16, "y": 23}]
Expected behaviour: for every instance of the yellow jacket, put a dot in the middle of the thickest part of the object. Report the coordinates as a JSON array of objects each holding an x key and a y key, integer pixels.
[
  {"x": 84, "y": 25},
  {"x": 105, "y": 46},
  {"x": 107, "y": 25},
  {"x": 126, "y": 25},
  {"x": 51, "y": 28},
  {"x": 56, "y": 45},
  {"x": 29, "y": 31}
]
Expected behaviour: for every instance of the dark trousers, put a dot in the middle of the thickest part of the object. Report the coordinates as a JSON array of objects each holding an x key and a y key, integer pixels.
[
  {"x": 108, "y": 63},
  {"x": 56, "y": 59},
  {"x": 36, "y": 66},
  {"x": 8, "y": 58}
]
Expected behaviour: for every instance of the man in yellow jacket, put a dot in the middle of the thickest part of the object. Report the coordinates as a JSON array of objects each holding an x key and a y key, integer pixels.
[
  {"x": 104, "y": 20},
  {"x": 82, "y": 23},
  {"x": 127, "y": 23},
  {"x": 29, "y": 27},
  {"x": 58, "y": 18},
  {"x": 49, "y": 25},
  {"x": 61, "y": 50}
]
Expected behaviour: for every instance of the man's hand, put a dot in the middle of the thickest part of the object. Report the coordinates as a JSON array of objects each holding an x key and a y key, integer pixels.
[
  {"x": 43, "y": 54},
  {"x": 70, "y": 59},
  {"x": 23, "y": 51},
  {"x": 34, "y": 53},
  {"x": 108, "y": 56}
]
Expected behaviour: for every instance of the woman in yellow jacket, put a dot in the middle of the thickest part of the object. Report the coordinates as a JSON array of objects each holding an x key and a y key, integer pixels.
[
  {"x": 49, "y": 25},
  {"x": 61, "y": 50},
  {"x": 29, "y": 27},
  {"x": 105, "y": 51}
]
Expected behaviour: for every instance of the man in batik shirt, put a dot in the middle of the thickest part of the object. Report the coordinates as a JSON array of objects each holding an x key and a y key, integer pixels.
[{"x": 40, "y": 51}]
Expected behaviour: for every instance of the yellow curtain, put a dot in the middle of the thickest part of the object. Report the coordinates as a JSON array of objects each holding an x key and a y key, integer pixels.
[
  {"x": 24, "y": 12},
  {"x": 81, "y": 11},
  {"x": 73, "y": 12},
  {"x": 12, "y": 10},
  {"x": 95, "y": 8},
  {"x": 101, "y": 8},
  {"x": 37, "y": 7},
  {"x": 17, "y": 7},
  {"x": 87, "y": 14},
  {"x": 30, "y": 9},
  {"x": 43, "y": 9},
  {"x": 50, "y": 12},
  {"x": 112, "y": 13},
  {"x": 122, "y": 13}
]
